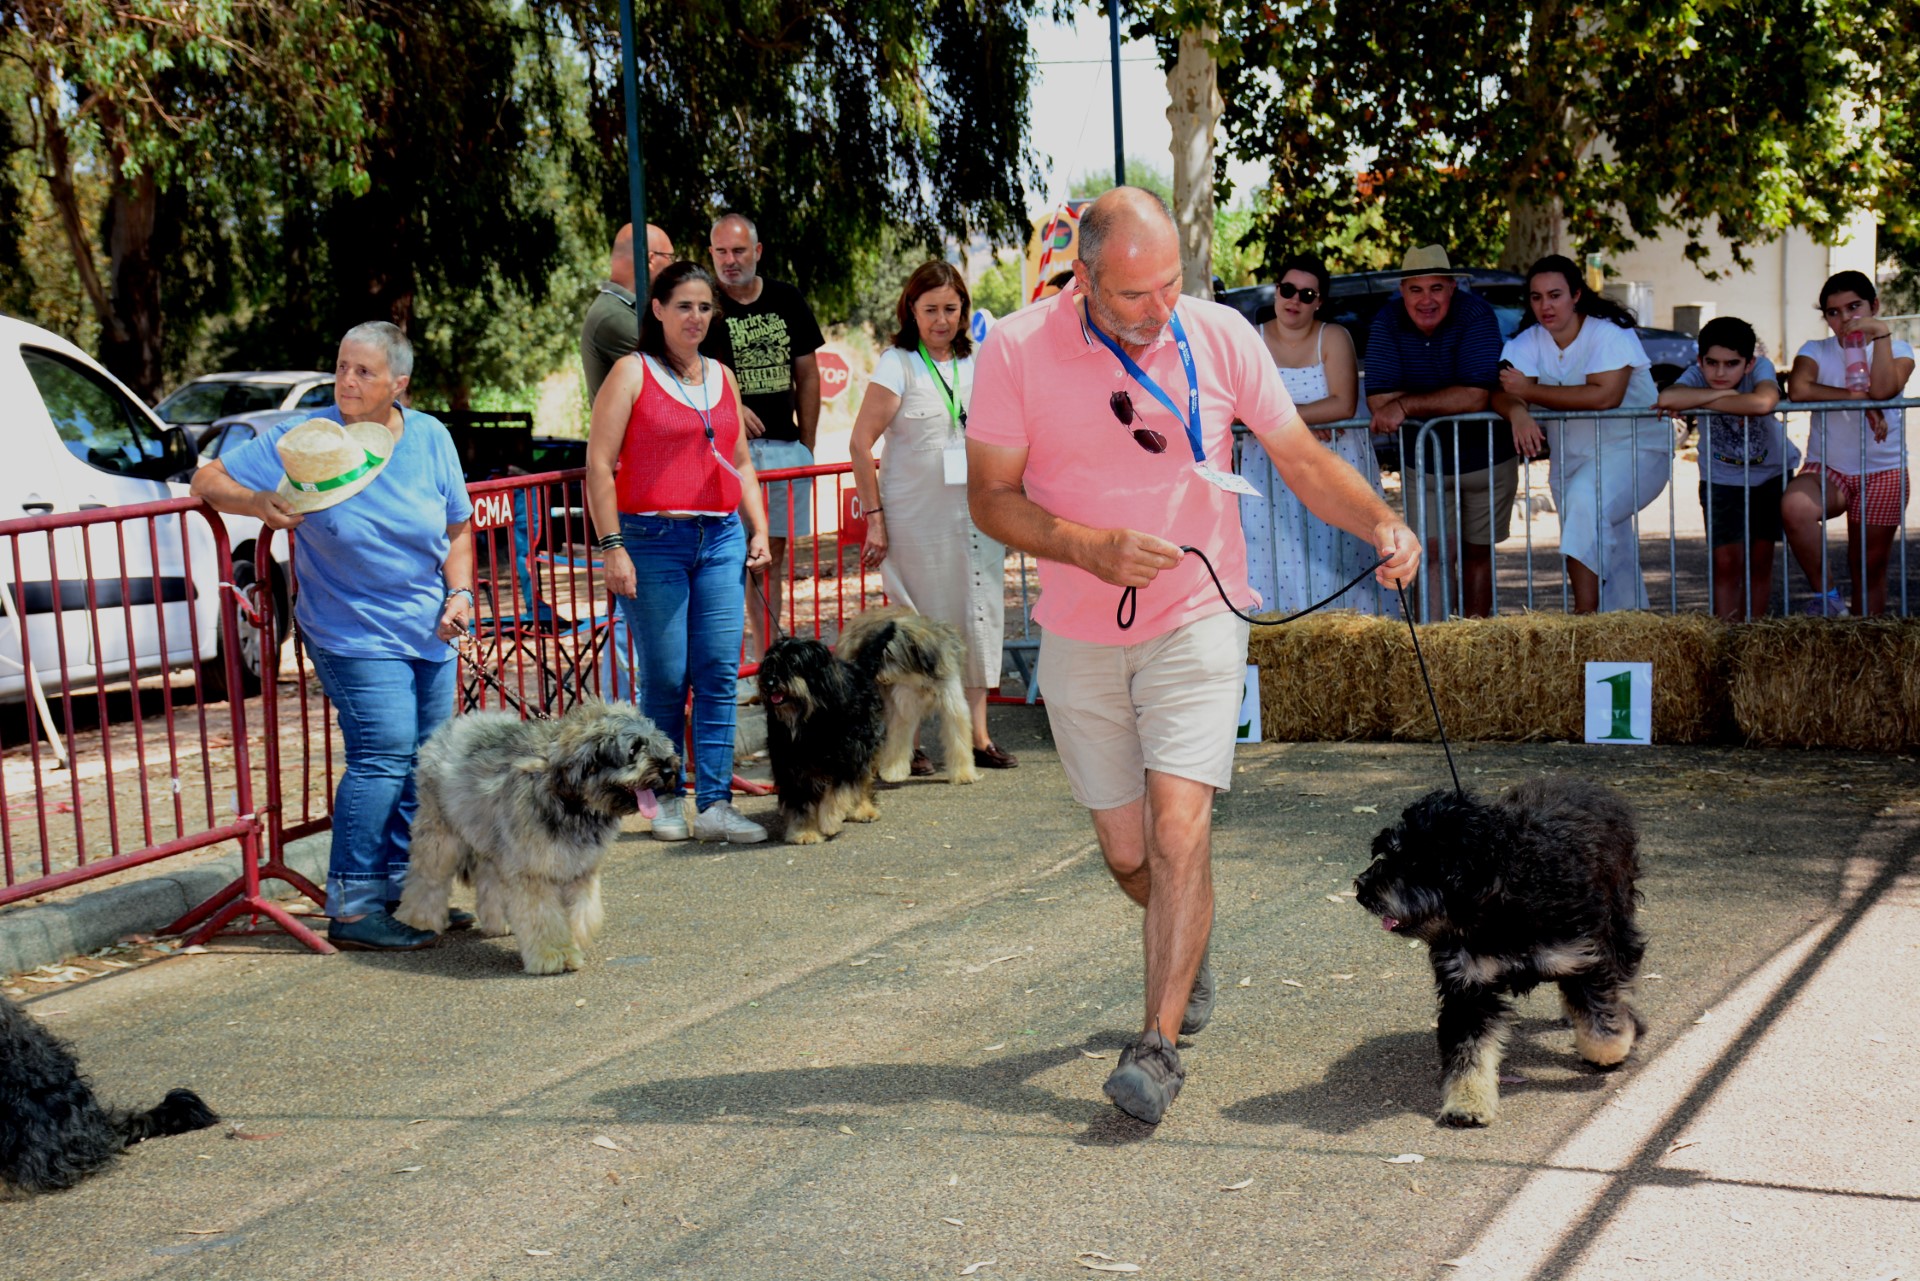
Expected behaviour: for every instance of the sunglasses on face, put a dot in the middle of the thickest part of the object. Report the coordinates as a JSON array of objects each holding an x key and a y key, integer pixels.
[
  {"x": 1308, "y": 296},
  {"x": 1151, "y": 441}
]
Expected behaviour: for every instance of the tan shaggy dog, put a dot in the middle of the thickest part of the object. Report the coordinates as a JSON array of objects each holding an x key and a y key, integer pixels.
[{"x": 920, "y": 674}]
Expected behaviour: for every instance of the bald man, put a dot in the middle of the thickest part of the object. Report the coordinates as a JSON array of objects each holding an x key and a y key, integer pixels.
[
  {"x": 611, "y": 327},
  {"x": 1118, "y": 398}
]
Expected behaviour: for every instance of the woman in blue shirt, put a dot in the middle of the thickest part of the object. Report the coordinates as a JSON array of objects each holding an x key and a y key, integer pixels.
[{"x": 385, "y": 563}]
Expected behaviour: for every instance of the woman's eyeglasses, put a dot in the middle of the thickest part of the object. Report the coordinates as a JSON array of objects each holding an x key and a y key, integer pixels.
[
  {"x": 1151, "y": 441},
  {"x": 1308, "y": 296}
]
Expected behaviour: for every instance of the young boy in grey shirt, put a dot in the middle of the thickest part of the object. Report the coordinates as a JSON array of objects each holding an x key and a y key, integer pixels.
[{"x": 1746, "y": 457}]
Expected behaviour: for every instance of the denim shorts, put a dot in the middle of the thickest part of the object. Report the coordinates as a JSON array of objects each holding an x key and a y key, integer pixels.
[{"x": 786, "y": 499}]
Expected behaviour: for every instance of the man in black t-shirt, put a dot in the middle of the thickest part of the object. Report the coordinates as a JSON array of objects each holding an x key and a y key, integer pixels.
[{"x": 767, "y": 334}]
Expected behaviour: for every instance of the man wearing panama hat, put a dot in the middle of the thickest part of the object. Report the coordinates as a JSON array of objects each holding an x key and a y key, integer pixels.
[
  {"x": 1434, "y": 350},
  {"x": 384, "y": 553}
]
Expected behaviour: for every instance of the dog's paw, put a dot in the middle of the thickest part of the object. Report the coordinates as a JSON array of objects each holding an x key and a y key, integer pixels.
[
  {"x": 896, "y": 773},
  {"x": 1460, "y": 1120},
  {"x": 574, "y": 958},
  {"x": 1468, "y": 1102},
  {"x": 963, "y": 773},
  {"x": 546, "y": 961},
  {"x": 864, "y": 812},
  {"x": 806, "y": 837}
]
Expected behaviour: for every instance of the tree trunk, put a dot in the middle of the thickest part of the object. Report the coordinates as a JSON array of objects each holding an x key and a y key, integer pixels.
[
  {"x": 1194, "y": 87},
  {"x": 1533, "y": 230},
  {"x": 130, "y": 347}
]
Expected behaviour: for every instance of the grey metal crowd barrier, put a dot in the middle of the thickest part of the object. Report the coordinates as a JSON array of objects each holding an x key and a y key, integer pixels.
[{"x": 1631, "y": 487}]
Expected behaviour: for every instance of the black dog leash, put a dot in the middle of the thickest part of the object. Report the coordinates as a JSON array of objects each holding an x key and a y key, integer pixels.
[{"x": 1129, "y": 607}]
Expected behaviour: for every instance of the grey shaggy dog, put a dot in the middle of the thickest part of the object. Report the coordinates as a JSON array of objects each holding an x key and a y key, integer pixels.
[
  {"x": 919, "y": 674},
  {"x": 524, "y": 811}
]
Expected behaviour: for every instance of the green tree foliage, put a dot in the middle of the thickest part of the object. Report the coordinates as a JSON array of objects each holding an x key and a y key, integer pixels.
[
  {"x": 831, "y": 126},
  {"x": 1140, "y": 173},
  {"x": 998, "y": 287},
  {"x": 1480, "y": 123},
  {"x": 150, "y": 96}
]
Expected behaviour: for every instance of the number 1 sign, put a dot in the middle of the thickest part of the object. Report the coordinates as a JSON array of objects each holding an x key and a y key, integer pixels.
[{"x": 1620, "y": 702}]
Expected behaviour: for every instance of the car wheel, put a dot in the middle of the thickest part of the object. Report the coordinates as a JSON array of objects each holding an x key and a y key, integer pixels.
[{"x": 254, "y": 663}]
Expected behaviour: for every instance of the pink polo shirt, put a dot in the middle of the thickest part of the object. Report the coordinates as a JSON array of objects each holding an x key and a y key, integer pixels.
[{"x": 1042, "y": 383}]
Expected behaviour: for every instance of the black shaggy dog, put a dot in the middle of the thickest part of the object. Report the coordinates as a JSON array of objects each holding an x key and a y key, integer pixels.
[
  {"x": 825, "y": 724},
  {"x": 1535, "y": 887},
  {"x": 53, "y": 1132}
]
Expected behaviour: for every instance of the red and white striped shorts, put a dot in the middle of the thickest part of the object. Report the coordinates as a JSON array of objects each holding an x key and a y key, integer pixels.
[{"x": 1884, "y": 494}]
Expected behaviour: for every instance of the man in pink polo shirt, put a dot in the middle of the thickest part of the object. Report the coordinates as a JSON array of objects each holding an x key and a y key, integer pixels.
[{"x": 1100, "y": 439}]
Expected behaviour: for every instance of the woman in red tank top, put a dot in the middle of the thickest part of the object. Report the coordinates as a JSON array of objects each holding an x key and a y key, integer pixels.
[{"x": 669, "y": 482}]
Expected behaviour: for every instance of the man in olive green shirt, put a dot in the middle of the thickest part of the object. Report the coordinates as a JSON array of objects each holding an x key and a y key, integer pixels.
[{"x": 611, "y": 328}]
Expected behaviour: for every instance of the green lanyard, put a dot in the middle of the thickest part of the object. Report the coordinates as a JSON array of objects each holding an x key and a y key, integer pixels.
[{"x": 955, "y": 410}]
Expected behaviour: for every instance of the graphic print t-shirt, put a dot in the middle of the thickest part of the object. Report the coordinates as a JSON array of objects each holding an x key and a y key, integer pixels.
[
  {"x": 760, "y": 341},
  {"x": 1745, "y": 449}
]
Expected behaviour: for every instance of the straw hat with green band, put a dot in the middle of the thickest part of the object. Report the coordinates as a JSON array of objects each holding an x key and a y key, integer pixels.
[{"x": 326, "y": 464}]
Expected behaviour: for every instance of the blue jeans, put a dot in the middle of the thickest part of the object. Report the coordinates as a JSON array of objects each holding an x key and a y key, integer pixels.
[
  {"x": 688, "y": 613},
  {"x": 387, "y": 707}
]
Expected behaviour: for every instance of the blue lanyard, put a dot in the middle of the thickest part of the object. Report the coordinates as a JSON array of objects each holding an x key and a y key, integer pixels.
[
  {"x": 1140, "y": 376},
  {"x": 704, "y": 410}
]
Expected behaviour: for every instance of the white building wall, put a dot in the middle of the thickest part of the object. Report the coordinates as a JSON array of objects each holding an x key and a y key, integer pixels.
[{"x": 1778, "y": 296}]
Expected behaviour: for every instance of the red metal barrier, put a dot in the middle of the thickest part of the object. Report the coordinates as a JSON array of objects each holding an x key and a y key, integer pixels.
[
  {"x": 105, "y": 610},
  {"x": 149, "y": 592}
]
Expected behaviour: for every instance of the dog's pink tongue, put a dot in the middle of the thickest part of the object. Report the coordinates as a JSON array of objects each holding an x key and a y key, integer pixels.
[
  {"x": 649, "y": 806},
  {"x": 1388, "y": 922}
]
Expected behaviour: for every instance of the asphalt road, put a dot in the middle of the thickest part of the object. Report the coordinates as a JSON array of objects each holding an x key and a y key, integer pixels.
[{"x": 882, "y": 1058}]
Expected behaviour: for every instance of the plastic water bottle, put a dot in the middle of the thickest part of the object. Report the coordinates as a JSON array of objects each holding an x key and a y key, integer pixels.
[{"x": 1855, "y": 345}]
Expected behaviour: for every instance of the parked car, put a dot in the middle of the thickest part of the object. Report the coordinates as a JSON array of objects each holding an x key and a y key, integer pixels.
[
  {"x": 1356, "y": 297},
  {"x": 197, "y": 405},
  {"x": 79, "y": 441},
  {"x": 226, "y": 433}
]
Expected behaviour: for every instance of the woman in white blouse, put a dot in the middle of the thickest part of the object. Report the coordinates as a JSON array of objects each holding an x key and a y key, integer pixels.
[
  {"x": 919, "y": 534},
  {"x": 1577, "y": 350}
]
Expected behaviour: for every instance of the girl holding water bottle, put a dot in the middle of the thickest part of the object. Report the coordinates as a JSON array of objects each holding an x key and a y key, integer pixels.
[{"x": 1856, "y": 461}]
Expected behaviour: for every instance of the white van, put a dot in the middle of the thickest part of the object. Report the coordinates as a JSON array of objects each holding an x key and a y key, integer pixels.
[{"x": 77, "y": 440}]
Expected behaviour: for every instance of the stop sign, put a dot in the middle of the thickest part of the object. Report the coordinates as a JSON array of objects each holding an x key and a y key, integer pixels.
[{"x": 834, "y": 374}]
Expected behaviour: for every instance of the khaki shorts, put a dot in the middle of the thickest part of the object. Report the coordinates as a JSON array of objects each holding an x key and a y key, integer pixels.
[
  {"x": 1475, "y": 523},
  {"x": 1168, "y": 704}
]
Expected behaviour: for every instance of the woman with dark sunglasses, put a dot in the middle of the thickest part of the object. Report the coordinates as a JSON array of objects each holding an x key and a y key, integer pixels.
[{"x": 1293, "y": 557}]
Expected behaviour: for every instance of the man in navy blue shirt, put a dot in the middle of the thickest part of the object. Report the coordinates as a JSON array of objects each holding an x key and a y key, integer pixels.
[{"x": 1433, "y": 351}]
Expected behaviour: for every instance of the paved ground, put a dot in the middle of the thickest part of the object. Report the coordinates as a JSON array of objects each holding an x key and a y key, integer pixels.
[{"x": 882, "y": 1058}]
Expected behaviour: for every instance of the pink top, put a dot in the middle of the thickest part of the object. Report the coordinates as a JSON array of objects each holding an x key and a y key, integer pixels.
[{"x": 1042, "y": 383}]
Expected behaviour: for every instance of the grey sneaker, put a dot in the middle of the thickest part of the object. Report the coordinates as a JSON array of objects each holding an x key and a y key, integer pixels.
[
  {"x": 1148, "y": 1079},
  {"x": 670, "y": 824},
  {"x": 721, "y": 822},
  {"x": 1200, "y": 1001}
]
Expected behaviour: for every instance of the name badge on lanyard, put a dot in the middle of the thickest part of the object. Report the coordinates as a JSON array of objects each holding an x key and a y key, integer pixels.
[
  {"x": 1227, "y": 481},
  {"x": 953, "y": 458}
]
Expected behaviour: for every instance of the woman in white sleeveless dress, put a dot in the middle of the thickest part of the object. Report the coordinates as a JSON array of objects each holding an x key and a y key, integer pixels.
[
  {"x": 1294, "y": 558},
  {"x": 919, "y": 533}
]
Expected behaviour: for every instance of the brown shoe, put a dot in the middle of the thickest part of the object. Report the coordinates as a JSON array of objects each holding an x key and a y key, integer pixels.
[
  {"x": 922, "y": 766},
  {"x": 991, "y": 757}
]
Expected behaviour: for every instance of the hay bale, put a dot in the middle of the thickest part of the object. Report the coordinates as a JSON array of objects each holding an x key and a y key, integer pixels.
[
  {"x": 1816, "y": 682},
  {"x": 1325, "y": 677},
  {"x": 1522, "y": 677}
]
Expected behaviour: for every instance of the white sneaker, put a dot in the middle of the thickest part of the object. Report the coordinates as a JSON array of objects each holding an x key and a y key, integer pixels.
[
  {"x": 721, "y": 822},
  {"x": 671, "y": 823}
]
